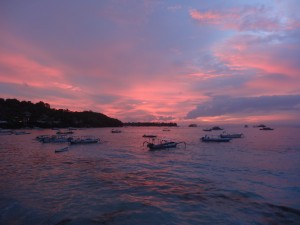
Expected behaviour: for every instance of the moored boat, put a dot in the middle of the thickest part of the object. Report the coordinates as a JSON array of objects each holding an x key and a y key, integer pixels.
[
  {"x": 207, "y": 129},
  {"x": 64, "y": 132},
  {"x": 214, "y": 139},
  {"x": 21, "y": 132},
  {"x": 213, "y": 128},
  {"x": 149, "y": 135},
  {"x": 164, "y": 144},
  {"x": 266, "y": 128},
  {"x": 54, "y": 138},
  {"x": 84, "y": 140},
  {"x": 5, "y": 132},
  {"x": 62, "y": 149},
  {"x": 225, "y": 135},
  {"x": 116, "y": 131}
]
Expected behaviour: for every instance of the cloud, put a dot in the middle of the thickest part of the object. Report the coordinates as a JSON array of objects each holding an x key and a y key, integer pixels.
[
  {"x": 269, "y": 53},
  {"x": 225, "y": 105},
  {"x": 247, "y": 18}
]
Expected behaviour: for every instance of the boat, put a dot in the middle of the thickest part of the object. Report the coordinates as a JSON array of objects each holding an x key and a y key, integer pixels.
[
  {"x": 21, "y": 132},
  {"x": 225, "y": 135},
  {"x": 266, "y": 128},
  {"x": 116, "y": 131},
  {"x": 5, "y": 132},
  {"x": 149, "y": 135},
  {"x": 64, "y": 132},
  {"x": 54, "y": 138},
  {"x": 164, "y": 144},
  {"x": 213, "y": 128},
  {"x": 62, "y": 149},
  {"x": 216, "y": 128},
  {"x": 260, "y": 125},
  {"x": 207, "y": 129},
  {"x": 214, "y": 139},
  {"x": 193, "y": 125},
  {"x": 84, "y": 140}
]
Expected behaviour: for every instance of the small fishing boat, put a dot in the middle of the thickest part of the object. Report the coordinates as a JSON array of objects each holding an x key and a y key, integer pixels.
[
  {"x": 62, "y": 149},
  {"x": 214, "y": 139},
  {"x": 84, "y": 140},
  {"x": 207, "y": 129},
  {"x": 164, "y": 144},
  {"x": 213, "y": 128},
  {"x": 225, "y": 135},
  {"x": 64, "y": 132},
  {"x": 54, "y": 138},
  {"x": 149, "y": 135},
  {"x": 21, "y": 132},
  {"x": 116, "y": 131},
  {"x": 216, "y": 128},
  {"x": 266, "y": 128},
  {"x": 5, "y": 132}
]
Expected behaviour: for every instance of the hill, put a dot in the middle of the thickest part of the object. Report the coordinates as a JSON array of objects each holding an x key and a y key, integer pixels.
[{"x": 17, "y": 114}]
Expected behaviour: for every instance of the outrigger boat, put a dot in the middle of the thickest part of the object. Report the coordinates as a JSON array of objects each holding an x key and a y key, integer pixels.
[
  {"x": 214, "y": 139},
  {"x": 266, "y": 128},
  {"x": 65, "y": 132},
  {"x": 84, "y": 140},
  {"x": 62, "y": 149},
  {"x": 164, "y": 144},
  {"x": 225, "y": 135},
  {"x": 116, "y": 131},
  {"x": 149, "y": 135}
]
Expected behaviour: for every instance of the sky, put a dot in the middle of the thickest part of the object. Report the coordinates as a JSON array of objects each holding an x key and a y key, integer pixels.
[{"x": 216, "y": 61}]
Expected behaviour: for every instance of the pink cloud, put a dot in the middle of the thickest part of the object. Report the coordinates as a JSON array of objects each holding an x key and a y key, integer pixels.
[
  {"x": 245, "y": 19},
  {"x": 206, "y": 17},
  {"x": 19, "y": 69},
  {"x": 270, "y": 58}
]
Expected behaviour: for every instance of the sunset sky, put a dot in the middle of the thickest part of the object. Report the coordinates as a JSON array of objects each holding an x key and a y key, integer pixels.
[{"x": 216, "y": 61}]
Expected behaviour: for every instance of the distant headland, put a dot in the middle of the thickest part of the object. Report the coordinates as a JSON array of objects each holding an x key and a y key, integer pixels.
[
  {"x": 25, "y": 114},
  {"x": 150, "y": 124}
]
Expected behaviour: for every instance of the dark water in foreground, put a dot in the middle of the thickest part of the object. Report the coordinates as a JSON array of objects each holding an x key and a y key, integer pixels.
[{"x": 254, "y": 180}]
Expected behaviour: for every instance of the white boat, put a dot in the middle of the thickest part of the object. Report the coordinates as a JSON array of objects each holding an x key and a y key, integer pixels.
[
  {"x": 225, "y": 135},
  {"x": 164, "y": 144},
  {"x": 5, "y": 132},
  {"x": 214, "y": 139},
  {"x": 54, "y": 138},
  {"x": 84, "y": 140},
  {"x": 62, "y": 149},
  {"x": 21, "y": 132}
]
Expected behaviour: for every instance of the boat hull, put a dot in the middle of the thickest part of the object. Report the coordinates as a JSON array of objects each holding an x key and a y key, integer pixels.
[
  {"x": 208, "y": 139},
  {"x": 231, "y": 135},
  {"x": 61, "y": 150},
  {"x": 162, "y": 146}
]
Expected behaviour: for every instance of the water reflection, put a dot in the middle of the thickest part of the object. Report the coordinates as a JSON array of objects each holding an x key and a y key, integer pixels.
[{"x": 250, "y": 180}]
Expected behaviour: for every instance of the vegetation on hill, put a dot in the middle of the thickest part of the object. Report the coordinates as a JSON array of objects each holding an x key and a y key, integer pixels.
[
  {"x": 150, "y": 124},
  {"x": 17, "y": 114}
]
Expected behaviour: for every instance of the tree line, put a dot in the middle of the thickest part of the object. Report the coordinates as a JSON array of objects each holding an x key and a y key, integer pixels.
[
  {"x": 18, "y": 114},
  {"x": 150, "y": 124}
]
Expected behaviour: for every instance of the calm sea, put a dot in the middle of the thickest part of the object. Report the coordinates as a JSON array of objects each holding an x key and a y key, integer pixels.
[{"x": 252, "y": 180}]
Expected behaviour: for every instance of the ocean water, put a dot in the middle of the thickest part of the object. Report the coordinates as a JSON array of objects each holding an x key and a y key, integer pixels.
[{"x": 252, "y": 180}]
